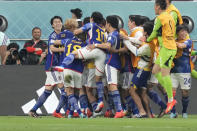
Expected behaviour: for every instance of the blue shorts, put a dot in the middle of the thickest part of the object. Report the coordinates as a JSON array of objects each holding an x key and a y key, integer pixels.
[{"x": 140, "y": 78}]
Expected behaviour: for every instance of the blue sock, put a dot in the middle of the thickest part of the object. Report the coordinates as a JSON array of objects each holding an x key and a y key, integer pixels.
[
  {"x": 83, "y": 101},
  {"x": 185, "y": 102},
  {"x": 74, "y": 104},
  {"x": 124, "y": 107},
  {"x": 68, "y": 59},
  {"x": 94, "y": 105},
  {"x": 100, "y": 91},
  {"x": 132, "y": 104},
  {"x": 116, "y": 100},
  {"x": 63, "y": 100},
  {"x": 66, "y": 106},
  {"x": 110, "y": 101},
  {"x": 156, "y": 98},
  {"x": 42, "y": 99}
]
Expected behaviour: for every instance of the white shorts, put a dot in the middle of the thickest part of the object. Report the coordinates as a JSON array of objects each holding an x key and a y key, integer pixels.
[
  {"x": 112, "y": 74},
  {"x": 72, "y": 79},
  {"x": 182, "y": 79},
  {"x": 84, "y": 76},
  {"x": 153, "y": 79},
  {"x": 90, "y": 80},
  {"x": 53, "y": 78},
  {"x": 125, "y": 79},
  {"x": 98, "y": 55}
]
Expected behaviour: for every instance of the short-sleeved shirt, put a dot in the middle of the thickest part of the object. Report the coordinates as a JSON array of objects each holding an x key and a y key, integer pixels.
[
  {"x": 52, "y": 59},
  {"x": 95, "y": 34},
  {"x": 113, "y": 59},
  {"x": 70, "y": 46}
]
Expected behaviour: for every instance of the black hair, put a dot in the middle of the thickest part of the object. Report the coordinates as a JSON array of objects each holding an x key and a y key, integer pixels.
[
  {"x": 181, "y": 27},
  {"x": 120, "y": 22},
  {"x": 136, "y": 19},
  {"x": 35, "y": 29},
  {"x": 161, "y": 3},
  {"x": 55, "y": 17},
  {"x": 143, "y": 19},
  {"x": 170, "y": 1},
  {"x": 103, "y": 23},
  {"x": 113, "y": 21},
  {"x": 86, "y": 20},
  {"x": 148, "y": 27},
  {"x": 13, "y": 45},
  {"x": 97, "y": 17}
]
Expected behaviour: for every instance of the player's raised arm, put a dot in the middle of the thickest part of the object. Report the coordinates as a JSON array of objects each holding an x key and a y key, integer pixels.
[{"x": 157, "y": 26}]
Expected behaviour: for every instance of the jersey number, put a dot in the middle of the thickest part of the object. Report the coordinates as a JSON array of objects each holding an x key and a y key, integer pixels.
[
  {"x": 101, "y": 35},
  {"x": 75, "y": 47}
]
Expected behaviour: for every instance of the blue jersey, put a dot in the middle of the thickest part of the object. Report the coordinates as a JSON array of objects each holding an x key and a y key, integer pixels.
[
  {"x": 70, "y": 46},
  {"x": 113, "y": 59},
  {"x": 95, "y": 34},
  {"x": 126, "y": 63},
  {"x": 52, "y": 59},
  {"x": 64, "y": 35},
  {"x": 182, "y": 63}
]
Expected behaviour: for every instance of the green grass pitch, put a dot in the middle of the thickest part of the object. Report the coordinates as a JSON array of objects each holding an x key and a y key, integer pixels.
[{"x": 47, "y": 123}]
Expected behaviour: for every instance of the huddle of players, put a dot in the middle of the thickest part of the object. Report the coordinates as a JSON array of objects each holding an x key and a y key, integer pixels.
[{"x": 78, "y": 61}]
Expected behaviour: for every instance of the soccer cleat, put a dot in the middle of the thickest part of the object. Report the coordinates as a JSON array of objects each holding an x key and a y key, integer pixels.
[
  {"x": 75, "y": 114},
  {"x": 136, "y": 116},
  {"x": 88, "y": 112},
  {"x": 173, "y": 115},
  {"x": 161, "y": 114},
  {"x": 184, "y": 115},
  {"x": 109, "y": 114},
  {"x": 119, "y": 114},
  {"x": 70, "y": 116},
  {"x": 97, "y": 114},
  {"x": 69, "y": 59},
  {"x": 58, "y": 115},
  {"x": 99, "y": 107},
  {"x": 33, "y": 114},
  {"x": 82, "y": 115},
  {"x": 152, "y": 115},
  {"x": 170, "y": 106},
  {"x": 67, "y": 113}
]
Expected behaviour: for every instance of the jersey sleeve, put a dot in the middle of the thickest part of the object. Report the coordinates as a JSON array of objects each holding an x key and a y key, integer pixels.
[
  {"x": 157, "y": 25},
  {"x": 175, "y": 16},
  {"x": 111, "y": 40},
  {"x": 188, "y": 44},
  {"x": 65, "y": 42},
  {"x": 86, "y": 27}
]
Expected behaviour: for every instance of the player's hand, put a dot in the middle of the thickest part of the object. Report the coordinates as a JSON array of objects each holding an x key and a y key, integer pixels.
[
  {"x": 91, "y": 46},
  {"x": 57, "y": 42},
  {"x": 143, "y": 38},
  {"x": 122, "y": 36}
]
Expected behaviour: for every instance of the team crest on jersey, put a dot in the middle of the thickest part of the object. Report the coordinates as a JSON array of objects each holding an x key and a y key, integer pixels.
[{"x": 63, "y": 35}]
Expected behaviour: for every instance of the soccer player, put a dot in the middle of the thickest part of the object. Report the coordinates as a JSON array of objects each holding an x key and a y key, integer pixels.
[
  {"x": 113, "y": 63},
  {"x": 73, "y": 75},
  {"x": 126, "y": 75},
  {"x": 168, "y": 49},
  {"x": 95, "y": 36},
  {"x": 52, "y": 60},
  {"x": 142, "y": 72},
  {"x": 181, "y": 72},
  {"x": 136, "y": 33}
]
